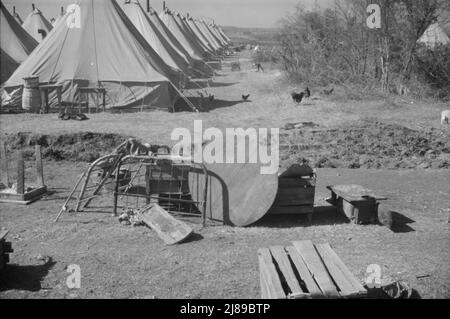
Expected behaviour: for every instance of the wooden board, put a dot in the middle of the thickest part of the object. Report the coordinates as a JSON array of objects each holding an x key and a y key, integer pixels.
[
  {"x": 346, "y": 281},
  {"x": 271, "y": 284},
  {"x": 295, "y": 196},
  {"x": 296, "y": 191},
  {"x": 304, "y": 273},
  {"x": 238, "y": 194},
  {"x": 354, "y": 193},
  {"x": 169, "y": 229},
  {"x": 281, "y": 258},
  {"x": 295, "y": 182},
  {"x": 316, "y": 268}
]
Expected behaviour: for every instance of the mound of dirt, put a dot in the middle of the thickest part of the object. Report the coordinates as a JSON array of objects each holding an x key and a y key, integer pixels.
[
  {"x": 80, "y": 147},
  {"x": 367, "y": 145}
]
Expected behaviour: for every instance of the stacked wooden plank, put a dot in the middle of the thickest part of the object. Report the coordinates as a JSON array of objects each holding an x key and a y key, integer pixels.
[
  {"x": 306, "y": 271},
  {"x": 296, "y": 190},
  {"x": 5, "y": 249}
]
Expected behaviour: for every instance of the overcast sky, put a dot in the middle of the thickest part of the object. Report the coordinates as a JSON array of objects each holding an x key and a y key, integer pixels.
[{"x": 244, "y": 13}]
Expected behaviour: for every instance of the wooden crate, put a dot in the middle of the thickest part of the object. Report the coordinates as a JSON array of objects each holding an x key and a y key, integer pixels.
[
  {"x": 168, "y": 178},
  {"x": 357, "y": 203},
  {"x": 5, "y": 249},
  {"x": 20, "y": 194},
  {"x": 306, "y": 271},
  {"x": 296, "y": 192}
]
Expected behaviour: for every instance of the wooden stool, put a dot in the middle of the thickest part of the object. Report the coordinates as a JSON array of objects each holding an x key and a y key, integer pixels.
[
  {"x": 306, "y": 271},
  {"x": 45, "y": 89},
  {"x": 97, "y": 91}
]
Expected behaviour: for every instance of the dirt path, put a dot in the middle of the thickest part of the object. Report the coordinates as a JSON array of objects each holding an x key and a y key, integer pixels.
[{"x": 269, "y": 106}]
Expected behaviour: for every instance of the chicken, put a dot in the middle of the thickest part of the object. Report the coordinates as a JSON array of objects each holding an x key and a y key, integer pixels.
[
  {"x": 298, "y": 97},
  {"x": 307, "y": 93},
  {"x": 328, "y": 92}
]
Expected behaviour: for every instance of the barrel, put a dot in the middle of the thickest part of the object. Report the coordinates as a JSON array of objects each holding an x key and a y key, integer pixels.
[
  {"x": 31, "y": 100},
  {"x": 31, "y": 82},
  {"x": 31, "y": 97}
]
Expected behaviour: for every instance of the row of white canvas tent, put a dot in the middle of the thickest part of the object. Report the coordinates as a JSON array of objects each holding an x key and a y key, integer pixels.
[{"x": 139, "y": 57}]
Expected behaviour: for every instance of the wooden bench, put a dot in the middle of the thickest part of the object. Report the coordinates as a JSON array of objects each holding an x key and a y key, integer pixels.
[
  {"x": 306, "y": 271},
  {"x": 357, "y": 203},
  {"x": 96, "y": 90}
]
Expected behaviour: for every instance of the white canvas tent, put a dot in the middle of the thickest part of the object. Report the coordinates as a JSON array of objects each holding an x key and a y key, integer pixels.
[
  {"x": 154, "y": 37},
  {"x": 96, "y": 45},
  {"x": 433, "y": 36},
  {"x": 37, "y": 25},
  {"x": 15, "y": 43}
]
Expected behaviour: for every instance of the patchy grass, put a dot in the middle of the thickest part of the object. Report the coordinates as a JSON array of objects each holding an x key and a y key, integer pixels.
[{"x": 132, "y": 262}]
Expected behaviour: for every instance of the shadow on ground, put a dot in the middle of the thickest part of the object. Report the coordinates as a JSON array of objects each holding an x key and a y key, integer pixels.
[
  {"x": 192, "y": 238},
  {"x": 27, "y": 278},
  {"x": 323, "y": 215},
  {"x": 401, "y": 222},
  {"x": 205, "y": 84},
  {"x": 204, "y": 104}
]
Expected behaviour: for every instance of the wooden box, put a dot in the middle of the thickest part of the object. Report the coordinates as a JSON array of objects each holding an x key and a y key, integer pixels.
[
  {"x": 296, "y": 191},
  {"x": 357, "y": 203},
  {"x": 306, "y": 271}
]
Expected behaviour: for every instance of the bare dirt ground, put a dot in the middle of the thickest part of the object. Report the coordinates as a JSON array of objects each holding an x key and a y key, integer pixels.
[{"x": 402, "y": 140}]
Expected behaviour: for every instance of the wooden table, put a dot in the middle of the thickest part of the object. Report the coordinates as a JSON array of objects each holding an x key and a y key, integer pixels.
[
  {"x": 359, "y": 204},
  {"x": 238, "y": 194},
  {"x": 44, "y": 90},
  {"x": 306, "y": 271},
  {"x": 97, "y": 91}
]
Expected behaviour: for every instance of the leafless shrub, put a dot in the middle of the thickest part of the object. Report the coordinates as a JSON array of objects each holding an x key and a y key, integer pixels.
[{"x": 336, "y": 47}]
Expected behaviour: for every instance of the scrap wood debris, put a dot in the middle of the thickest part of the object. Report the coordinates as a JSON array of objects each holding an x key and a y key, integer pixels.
[
  {"x": 393, "y": 290},
  {"x": 169, "y": 229},
  {"x": 68, "y": 116},
  {"x": 134, "y": 147},
  {"x": 130, "y": 217}
]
